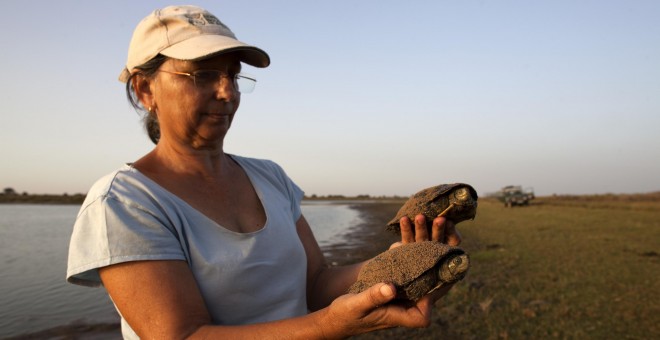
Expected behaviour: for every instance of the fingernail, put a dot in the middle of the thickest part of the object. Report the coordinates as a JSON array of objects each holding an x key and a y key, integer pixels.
[{"x": 386, "y": 290}]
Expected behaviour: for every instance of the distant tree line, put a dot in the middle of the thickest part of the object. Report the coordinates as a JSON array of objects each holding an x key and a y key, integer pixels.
[{"x": 9, "y": 195}]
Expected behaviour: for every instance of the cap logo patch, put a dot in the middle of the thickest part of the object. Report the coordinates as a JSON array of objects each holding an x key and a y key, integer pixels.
[{"x": 203, "y": 19}]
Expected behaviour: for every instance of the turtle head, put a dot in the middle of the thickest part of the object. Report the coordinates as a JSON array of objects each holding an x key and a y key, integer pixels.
[
  {"x": 453, "y": 268},
  {"x": 464, "y": 204},
  {"x": 463, "y": 196}
]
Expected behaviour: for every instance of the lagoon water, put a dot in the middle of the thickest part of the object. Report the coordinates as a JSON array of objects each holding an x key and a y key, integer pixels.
[{"x": 34, "y": 242}]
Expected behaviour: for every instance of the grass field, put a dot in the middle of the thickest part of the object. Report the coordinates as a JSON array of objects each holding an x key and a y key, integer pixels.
[{"x": 572, "y": 267}]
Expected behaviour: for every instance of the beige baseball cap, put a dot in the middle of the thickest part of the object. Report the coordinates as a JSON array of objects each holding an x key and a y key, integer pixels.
[{"x": 186, "y": 33}]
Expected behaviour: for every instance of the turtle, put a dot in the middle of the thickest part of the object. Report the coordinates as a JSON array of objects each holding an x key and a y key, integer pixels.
[
  {"x": 415, "y": 269},
  {"x": 457, "y": 201}
]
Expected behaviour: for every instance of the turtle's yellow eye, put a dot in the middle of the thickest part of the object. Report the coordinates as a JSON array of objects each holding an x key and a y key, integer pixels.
[{"x": 462, "y": 194}]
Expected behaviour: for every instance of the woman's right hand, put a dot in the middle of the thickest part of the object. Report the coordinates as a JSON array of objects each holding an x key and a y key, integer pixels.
[{"x": 373, "y": 309}]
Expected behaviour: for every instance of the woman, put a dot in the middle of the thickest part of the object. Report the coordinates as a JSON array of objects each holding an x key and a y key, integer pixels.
[{"x": 192, "y": 242}]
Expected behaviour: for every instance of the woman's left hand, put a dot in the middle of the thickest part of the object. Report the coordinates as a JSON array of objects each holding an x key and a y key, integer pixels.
[{"x": 442, "y": 230}]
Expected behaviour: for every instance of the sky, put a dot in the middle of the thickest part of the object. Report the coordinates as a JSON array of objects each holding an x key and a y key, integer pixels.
[{"x": 362, "y": 97}]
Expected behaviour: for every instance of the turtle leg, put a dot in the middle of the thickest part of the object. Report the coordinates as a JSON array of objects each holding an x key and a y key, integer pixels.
[
  {"x": 420, "y": 286},
  {"x": 446, "y": 211},
  {"x": 429, "y": 221}
]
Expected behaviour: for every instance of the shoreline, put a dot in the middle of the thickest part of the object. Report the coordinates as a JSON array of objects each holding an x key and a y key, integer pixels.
[{"x": 367, "y": 239}]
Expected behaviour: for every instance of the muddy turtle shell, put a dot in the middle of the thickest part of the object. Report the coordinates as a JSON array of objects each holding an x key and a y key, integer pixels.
[
  {"x": 433, "y": 201},
  {"x": 409, "y": 268}
]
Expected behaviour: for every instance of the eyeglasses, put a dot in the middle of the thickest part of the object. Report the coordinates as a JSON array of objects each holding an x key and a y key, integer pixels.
[{"x": 205, "y": 79}]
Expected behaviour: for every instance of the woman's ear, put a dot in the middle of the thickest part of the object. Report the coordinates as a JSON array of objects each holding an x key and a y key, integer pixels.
[{"x": 143, "y": 91}]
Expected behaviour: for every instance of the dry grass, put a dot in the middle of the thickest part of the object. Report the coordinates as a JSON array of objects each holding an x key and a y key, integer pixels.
[{"x": 572, "y": 268}]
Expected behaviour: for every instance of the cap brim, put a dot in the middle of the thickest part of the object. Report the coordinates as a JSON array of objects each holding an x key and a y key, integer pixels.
[{"x": 205, "y": 46}]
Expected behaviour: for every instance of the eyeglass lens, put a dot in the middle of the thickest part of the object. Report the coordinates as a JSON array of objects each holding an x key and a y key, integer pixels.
[{"x": 205, "y": 78}]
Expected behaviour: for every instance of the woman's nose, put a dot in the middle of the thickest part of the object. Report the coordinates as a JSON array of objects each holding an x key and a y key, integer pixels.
[{"x": 227, "y": 88}]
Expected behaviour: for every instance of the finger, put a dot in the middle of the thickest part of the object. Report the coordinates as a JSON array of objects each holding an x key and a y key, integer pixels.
[
  {"x": 377, "y": 295},
  {"x": 396, "y": 244},
  {"x": 438, "y": 229},
  {"x": 425, "y": 307},
  {"x": 412, "y": 315},
  {"x": 421, "y": 232},
  {"x": 427, "y": 302},
  {"x": 407, "y": 233},
  {"x": 453, "y": 237}
]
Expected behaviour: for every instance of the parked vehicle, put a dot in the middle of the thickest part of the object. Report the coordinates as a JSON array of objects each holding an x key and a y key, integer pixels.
[{"x": 512, "y": 195}]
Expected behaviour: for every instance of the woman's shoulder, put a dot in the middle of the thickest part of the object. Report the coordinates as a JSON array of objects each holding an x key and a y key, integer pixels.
[
  {"x": 257, "y": 164},
  {"x": 268, "y": 172},
  {"x": 125, "y": 184},
  {"x": 251, "y": 160}
]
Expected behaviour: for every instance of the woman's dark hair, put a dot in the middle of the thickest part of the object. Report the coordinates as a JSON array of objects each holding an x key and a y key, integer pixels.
[{"x": 150, "y": 119}]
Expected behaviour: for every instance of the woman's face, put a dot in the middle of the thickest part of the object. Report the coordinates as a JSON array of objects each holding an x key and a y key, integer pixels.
[{"x": 192, "y": 112}]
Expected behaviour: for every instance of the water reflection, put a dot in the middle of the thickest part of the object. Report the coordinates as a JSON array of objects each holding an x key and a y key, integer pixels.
[
  {"x": 34, "y": 242},
  {"x": 330, "y": 221}
]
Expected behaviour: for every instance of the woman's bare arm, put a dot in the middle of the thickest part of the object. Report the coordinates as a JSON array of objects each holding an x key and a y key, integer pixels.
[
  {"x": 160, "y": 300},
  {"x": 324, "y": 284}
]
